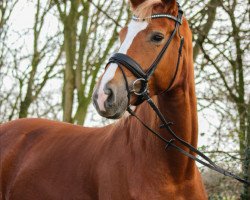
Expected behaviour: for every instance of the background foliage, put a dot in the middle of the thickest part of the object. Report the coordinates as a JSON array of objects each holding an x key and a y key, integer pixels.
[{"x": 52, "y": 51}]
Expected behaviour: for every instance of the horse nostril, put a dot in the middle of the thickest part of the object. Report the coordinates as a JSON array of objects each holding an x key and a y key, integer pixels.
[
  {"x": 108, "y": 91},
  {"x": 110, "y": 100},
  {"x": 95, "y": 96}
]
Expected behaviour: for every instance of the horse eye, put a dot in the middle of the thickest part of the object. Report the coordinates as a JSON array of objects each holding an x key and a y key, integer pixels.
[{"x": 157, "y": 37}]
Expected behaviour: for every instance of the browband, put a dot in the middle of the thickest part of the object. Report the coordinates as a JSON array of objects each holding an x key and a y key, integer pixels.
[{"x": 161, "y": 15}]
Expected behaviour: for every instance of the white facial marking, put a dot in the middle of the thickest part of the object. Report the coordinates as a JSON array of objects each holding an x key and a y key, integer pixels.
[{"x": 134, "y": 28}]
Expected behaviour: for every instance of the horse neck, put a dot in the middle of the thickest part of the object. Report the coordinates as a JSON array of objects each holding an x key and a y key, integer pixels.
[{"x": 179, "y": 107}]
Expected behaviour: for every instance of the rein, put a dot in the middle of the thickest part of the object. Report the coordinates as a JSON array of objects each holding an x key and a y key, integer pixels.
[
  {"x": 206, "y": 162},
  {"x": 143, "y": 94}
]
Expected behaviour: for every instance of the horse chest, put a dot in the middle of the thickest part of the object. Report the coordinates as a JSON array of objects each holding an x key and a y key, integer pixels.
[{"x": 121, "y": 183}]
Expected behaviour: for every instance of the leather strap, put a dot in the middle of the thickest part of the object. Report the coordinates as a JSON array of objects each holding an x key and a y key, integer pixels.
[
  {"x": 129, "y": 63},
  {"x": 178, "y": 22},
  {"x": 136, "y": 69},
  {"x": 177, "y": 65},
  {"x": 170, "y": 143}
]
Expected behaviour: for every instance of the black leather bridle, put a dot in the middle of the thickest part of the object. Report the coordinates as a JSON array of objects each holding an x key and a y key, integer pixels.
[
  {"x": 136, "y": 69},
  {"x": 122, "y": 60}
]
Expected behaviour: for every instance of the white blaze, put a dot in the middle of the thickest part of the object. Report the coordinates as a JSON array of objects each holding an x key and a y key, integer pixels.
[{"x": 134, "y": 28}]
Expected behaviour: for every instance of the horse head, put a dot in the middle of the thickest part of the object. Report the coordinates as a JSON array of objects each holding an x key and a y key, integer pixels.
[{"x": 148, "y": 60}]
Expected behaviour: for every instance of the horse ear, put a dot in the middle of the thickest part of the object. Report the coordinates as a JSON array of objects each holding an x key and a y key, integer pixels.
[{"x": 135, "y": 3}]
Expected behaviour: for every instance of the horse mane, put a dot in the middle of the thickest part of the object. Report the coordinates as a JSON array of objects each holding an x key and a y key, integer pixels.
[{"x": 148, "y": 7}]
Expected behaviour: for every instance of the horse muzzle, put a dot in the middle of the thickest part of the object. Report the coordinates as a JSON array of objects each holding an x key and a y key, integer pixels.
[{"x": 111, "y": 101}]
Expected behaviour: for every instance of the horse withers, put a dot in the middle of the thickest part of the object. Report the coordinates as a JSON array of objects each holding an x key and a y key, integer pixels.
[{"x": 48, "y": 160}]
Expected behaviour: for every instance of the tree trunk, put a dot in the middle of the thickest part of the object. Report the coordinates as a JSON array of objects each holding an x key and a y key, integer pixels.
[
  {"x": 82, "y": 111},
  {"x": 70, "y": 34},
  {"x": 68, "y": 88},
  {"x": 24, "y": 108},
  {"x": 246, "y": 189},
  {"x": 204, "y": 30},
  {"x": 25, "y": 104}
]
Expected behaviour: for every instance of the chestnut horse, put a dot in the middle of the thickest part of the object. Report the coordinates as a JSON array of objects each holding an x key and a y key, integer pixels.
[{"x": 48, "y": 160}]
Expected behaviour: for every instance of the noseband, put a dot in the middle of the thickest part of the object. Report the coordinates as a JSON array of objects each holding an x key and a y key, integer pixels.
[{"x": 126, "y": 61}]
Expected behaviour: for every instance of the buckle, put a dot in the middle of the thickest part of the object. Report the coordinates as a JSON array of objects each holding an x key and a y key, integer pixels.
[
  {"x": 145, "y": 89},
  {"x": 169, "y": 143}
]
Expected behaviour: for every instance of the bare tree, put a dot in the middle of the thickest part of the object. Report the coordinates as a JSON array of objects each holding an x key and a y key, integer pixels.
[
  {"x": 87, "y": 25},
  {"x": 6, "y": 8},
  {"x": 33, "y": 90},
  {"x": 224, "y": 71},
  {"x": 29, "y": 71}
]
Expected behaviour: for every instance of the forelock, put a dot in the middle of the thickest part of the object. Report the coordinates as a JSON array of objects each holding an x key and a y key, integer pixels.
[{"x": 145, "y": 9}]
